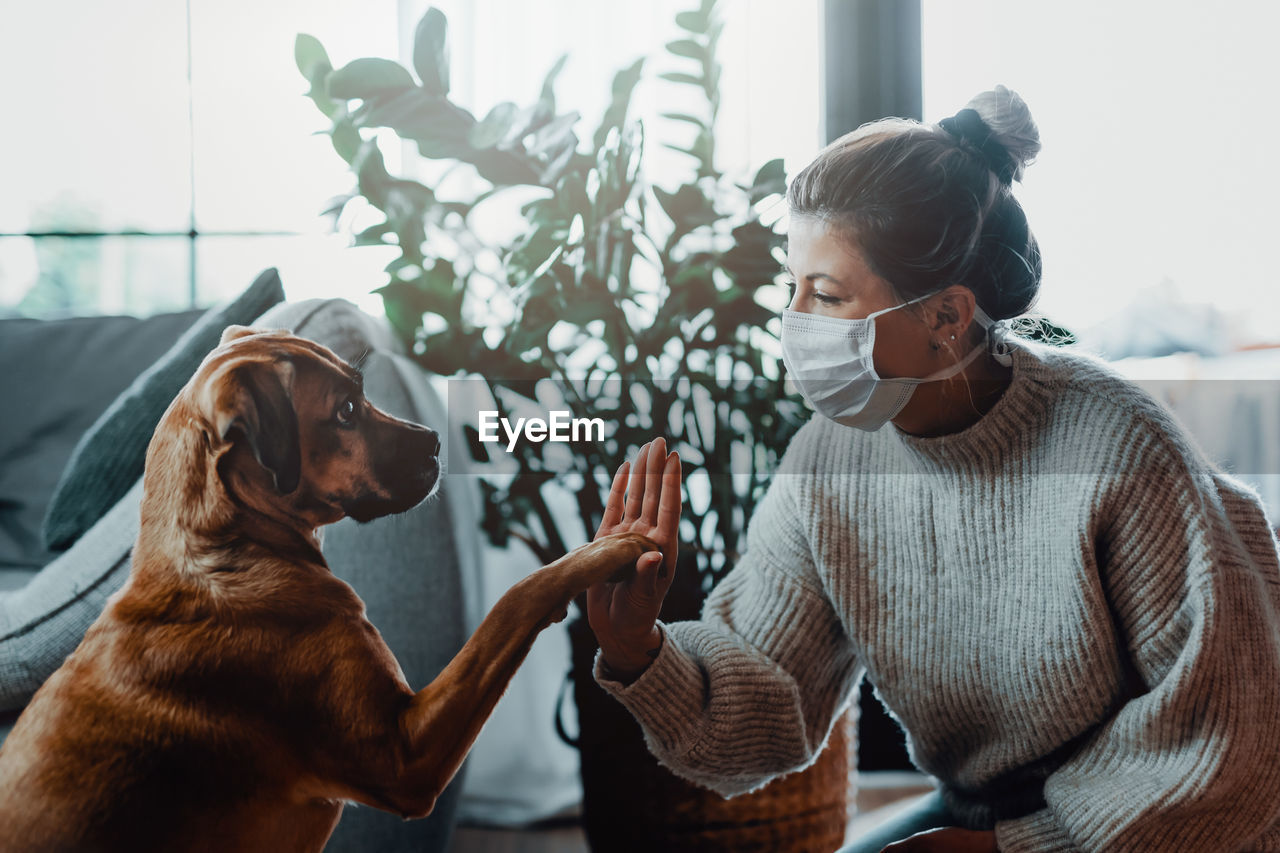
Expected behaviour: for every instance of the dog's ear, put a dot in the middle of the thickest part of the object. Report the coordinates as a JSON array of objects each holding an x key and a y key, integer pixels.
[
  {"x": 260, "y": 409},
  {"x": 230, "y": 333}
]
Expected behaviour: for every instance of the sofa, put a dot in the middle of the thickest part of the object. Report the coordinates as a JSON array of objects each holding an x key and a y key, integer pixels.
[{"x": 415, "y": 571}]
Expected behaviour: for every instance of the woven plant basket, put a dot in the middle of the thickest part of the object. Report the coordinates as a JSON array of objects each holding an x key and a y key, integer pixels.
[{"x": 631, "y": 803}]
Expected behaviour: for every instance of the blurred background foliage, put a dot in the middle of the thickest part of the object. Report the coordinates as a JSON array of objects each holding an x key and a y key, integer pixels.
[{"x": 635, "y": 303}]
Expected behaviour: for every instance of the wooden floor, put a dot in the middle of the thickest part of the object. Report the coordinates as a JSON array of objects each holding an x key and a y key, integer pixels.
[{"x": 880, "y": 796}]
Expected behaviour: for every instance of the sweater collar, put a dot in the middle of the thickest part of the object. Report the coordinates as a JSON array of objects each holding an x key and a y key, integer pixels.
[{"x": 1004, "y": 427}]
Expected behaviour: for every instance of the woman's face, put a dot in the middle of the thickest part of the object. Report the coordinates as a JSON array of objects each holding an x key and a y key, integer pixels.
[{"x": 832, "y": 279}]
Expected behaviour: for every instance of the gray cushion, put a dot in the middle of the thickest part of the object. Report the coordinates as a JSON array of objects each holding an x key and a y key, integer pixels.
[
  {"x": 59, "y": 376},
  {"x": 43, "y": 622},
  {"x": 111, "y": 455}
]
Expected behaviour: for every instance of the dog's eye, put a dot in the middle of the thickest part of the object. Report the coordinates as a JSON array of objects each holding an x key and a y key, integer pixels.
[{"x": 346, "y": 415}]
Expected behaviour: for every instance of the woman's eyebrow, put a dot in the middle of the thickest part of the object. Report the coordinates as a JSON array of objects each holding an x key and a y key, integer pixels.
[{"x": 811, "y": 276}]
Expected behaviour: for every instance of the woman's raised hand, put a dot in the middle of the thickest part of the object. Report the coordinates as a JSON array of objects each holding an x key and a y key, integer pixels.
[{"x": 623, "y": 615}]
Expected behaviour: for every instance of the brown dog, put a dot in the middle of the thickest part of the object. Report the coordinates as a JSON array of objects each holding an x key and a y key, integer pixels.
[{"x": 232, "y": 695}]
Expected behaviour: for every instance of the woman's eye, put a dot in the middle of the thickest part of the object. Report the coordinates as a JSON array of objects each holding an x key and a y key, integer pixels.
[
  {"x": 823, "y": 298},
  {"x": 346, "y": 415}
]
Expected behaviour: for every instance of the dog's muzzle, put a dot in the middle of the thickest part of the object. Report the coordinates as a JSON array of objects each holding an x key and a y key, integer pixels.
[{"x": 406, "y": 470}]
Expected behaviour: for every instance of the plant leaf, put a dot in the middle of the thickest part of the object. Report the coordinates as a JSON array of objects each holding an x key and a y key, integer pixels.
[
  {"x": 346, "y": 139},
  {"x": 310, "y": 56},
  {"x": 691, "y": 119},
  {"x": 557, "y": 166},
  {"x": 506, "y": 168},
  {"x": 769, "y": 180},
  {"x": 372, "y": 236},
  {"x": 687, "y": 47},
  {"x": 681, "y": 77},
  {"x": 440, "y": 127},
  {"x": 713, "y": 35},
  {"x": 371, "y": 173},
  {"x": 335, "y": 205},
  {"x": 431, "y": 52},
  {"x": 368, "y": 78},
  {"x": 548, "y": 95},
  {"x": 551, "y": 138},
  {"x": 313, "y": 62},
  {"x": 701, "y": 148},
  {"x": 694, "y": 22},
  {"x": 688, "y": 207},
  {"x": 624, "y": 85},
  {"x": 494, "y": 127}
]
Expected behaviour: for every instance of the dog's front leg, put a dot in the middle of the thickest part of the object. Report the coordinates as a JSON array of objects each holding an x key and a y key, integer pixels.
[{"x": 444, "y": 718}]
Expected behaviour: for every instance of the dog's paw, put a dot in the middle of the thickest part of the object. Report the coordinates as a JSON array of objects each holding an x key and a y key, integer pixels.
[{"x": 610, "y": 558}]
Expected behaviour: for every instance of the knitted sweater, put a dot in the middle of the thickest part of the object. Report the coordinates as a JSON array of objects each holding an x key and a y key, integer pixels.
[{"x": 1073, "y": 614}]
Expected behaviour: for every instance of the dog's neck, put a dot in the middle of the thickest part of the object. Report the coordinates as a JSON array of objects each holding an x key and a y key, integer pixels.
[{"x": 185, "y": 499}]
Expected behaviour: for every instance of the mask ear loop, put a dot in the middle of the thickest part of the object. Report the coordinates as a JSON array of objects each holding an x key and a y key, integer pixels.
[
  {"x": 999, "y": 332},
  {"x": 999, "y": 337},
  {"x": 998, "y": 345},
  {"x": 875, "y": 314}
]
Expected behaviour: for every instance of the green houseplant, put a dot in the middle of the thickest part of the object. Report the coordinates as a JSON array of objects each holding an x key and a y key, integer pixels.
[{"x": 634, "y": 304}]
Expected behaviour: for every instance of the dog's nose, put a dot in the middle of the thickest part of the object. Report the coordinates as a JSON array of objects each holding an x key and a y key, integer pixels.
[{"x": 433, "y": 443}]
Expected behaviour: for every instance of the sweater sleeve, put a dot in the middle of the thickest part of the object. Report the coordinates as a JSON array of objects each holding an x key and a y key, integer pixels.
[
  {"x": 1190, "y": 760},
  {"x": 751, "y": 690}
]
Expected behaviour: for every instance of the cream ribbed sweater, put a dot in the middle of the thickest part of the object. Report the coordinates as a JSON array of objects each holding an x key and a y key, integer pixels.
[{"x": 1073, "y": 614}]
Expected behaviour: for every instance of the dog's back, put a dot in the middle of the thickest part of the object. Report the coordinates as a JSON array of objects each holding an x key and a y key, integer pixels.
[{"x": 166, "y": 724}]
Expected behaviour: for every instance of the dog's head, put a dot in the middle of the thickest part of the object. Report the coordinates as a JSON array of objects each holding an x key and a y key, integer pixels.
[{"x": 288, "y": 426}]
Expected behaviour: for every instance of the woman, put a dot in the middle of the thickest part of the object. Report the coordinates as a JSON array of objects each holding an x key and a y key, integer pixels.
[{"x": 1075, "y": 616}]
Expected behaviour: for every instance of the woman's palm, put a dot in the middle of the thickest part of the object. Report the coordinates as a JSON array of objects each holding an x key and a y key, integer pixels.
[{"x": 621, "y": 613}]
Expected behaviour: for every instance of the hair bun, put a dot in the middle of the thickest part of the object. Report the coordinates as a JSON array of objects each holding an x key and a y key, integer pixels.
[
  {"x": 968, "y": 128},
  {"x": 1011, "y": 125}
]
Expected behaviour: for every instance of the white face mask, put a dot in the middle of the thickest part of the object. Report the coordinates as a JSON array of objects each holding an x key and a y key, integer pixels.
[{"x": 829, "y": 360}]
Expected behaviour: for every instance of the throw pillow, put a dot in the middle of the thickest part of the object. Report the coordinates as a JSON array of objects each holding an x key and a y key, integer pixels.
[
  {"x": 61, "y": 375},
  {"x": 110, "y": 457}
]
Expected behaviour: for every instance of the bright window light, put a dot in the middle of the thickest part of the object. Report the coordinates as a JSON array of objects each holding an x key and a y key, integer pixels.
[
  {"x": 134, "y": 119},
  {"x": 1157, "y": 181}
]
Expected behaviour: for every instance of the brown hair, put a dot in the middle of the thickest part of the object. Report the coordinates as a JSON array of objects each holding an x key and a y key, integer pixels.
[{"x": 927, "y": 207}]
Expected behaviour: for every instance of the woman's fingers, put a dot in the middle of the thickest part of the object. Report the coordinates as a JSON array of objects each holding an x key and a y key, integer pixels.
[
  {"x": 617, "y": 494},
  {"x": 635, "y": 492},
  {"x": 641, "y": 597},
  {"x": 668, "y": 520},
  {"x": 647, "y": 567},
  {"x": 652, "y": 479},
  {"x": 668, "y": 523},
  {"x": 664, "y": 573}
]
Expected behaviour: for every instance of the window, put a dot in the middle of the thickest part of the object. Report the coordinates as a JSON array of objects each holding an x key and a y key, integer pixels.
[
  {"x": 166, "y": 152},
  {"x": 160, "y": 154},
  {"x": 1158, "y": 172}
]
